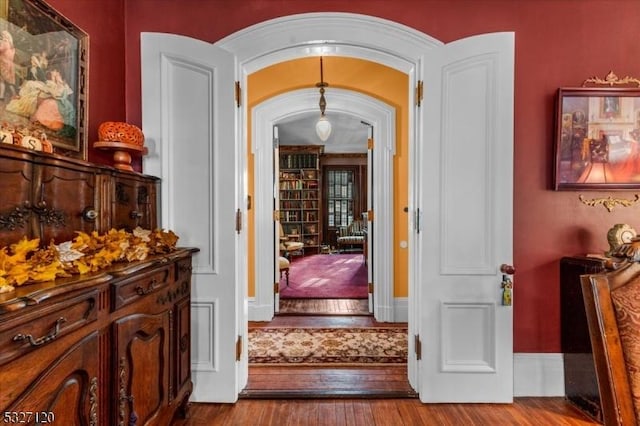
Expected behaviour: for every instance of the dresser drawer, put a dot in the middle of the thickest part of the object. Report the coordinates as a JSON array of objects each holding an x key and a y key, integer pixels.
[
  {"x": 129, "y": 290},
  {"x": 40, "y": 326}
]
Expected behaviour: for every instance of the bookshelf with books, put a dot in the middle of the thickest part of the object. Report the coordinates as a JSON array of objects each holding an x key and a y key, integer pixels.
[{"x": 299, "y": 185}]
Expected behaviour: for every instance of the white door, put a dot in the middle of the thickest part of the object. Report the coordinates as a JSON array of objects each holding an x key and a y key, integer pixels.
[
  {"x": 276, "y": 221},
  {"x": 465, "y": 190},
  {"x": 370, "y": 236},
  {"x": 189, "y": 120}
]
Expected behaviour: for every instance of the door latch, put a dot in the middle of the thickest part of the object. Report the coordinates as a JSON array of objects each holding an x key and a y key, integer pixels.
[{"x": 507, "y": 286}]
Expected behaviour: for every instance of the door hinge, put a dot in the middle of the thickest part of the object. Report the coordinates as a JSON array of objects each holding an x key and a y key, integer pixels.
[
  {"x": 419, "y": 92},
  {"x": 238, "y": 93},
  {"x": 370, "y": 215},
  {"x": 370, "y": 288},
  {"x": 239, "y": 348},
  {"x": 276, "y": 288},
  {"x": 248, "y": 202},
  {"x": 238, "y": 221},
  {"x": 418, "y": 214},
  {"x": 370, "y": 143},
  {"x": 418, "y": 346}
]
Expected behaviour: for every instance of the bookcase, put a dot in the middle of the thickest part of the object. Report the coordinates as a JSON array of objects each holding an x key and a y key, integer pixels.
[{"x": 300, "y": 196}]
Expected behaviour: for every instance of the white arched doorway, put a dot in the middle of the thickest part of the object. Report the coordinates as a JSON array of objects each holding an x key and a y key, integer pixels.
[
  {"x": 348, "y": 35},
  {"x": 382, "y": 118},
  {"x": 459, "y": 206}
]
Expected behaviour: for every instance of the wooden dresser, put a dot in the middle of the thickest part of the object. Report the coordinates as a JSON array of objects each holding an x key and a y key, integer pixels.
[
  {"x": 51, "y": 197},
  {"x": 108, "y": 348}
]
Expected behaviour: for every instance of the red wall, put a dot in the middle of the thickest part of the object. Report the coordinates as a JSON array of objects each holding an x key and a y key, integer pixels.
[
  {"x": 559, "y": 43},
  {"x": 104, "y": 22}
]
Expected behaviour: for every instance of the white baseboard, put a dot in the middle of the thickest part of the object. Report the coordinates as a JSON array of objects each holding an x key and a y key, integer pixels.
[
  {"x": 538, "y": 374},
  {"x": 257, "y": 312},
  {"x": 401, "y": 309}
]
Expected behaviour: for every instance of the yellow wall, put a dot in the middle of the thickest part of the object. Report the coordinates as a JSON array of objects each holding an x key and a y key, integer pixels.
[{"x": 370, "y": 78}]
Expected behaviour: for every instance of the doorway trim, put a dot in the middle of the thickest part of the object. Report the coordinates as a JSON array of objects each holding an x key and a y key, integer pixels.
[
  {"x": 382, "y": 117},
  {"x": 344, "y": 34},
  {"x": 328, "y": 33}
]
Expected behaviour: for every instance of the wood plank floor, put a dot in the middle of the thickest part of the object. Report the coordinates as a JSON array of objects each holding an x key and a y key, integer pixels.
[
  {"x": 324, "y": 321},
  {"x": 324, "y": 307},
  {"x": 323, "y": 382},
  {"x": 384, "y": 412}
]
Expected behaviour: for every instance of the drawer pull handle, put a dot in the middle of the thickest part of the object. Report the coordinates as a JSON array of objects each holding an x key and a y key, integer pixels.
[
  {"x": 135, "y": 215},
  {"x": 41, "y": 340},
  {"x": 152, "y": 286},
  {"x": 89, "y": 214}
]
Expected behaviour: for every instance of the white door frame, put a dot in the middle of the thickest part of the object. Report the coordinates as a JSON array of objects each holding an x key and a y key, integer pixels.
[
  {"x": 338, "y": 34},
  {"x": 342, "y": 34},
  {"x": 366, "y": 108}
]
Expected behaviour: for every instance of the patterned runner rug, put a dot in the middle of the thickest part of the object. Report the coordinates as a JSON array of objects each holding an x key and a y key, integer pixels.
[{"x": 333, "y": 346}]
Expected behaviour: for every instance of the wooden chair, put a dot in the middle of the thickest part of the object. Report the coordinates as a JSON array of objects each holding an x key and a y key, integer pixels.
[
  {"x": 283, "y": 266},
  {"x": 288, "y": 247},
  {"x": 612, "y": 305}
]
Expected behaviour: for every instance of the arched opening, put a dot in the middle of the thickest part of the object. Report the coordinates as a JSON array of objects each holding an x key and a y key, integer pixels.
[
  {"x": 476, "y": 73},
  {"x": 382, "y": 118}
]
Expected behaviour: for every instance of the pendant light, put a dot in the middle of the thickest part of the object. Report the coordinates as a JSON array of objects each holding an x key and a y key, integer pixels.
[{"x": 323, "y": 126}]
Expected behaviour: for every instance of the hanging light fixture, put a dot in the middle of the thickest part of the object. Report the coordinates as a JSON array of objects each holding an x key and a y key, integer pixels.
[{"x": 323, "y": 126}]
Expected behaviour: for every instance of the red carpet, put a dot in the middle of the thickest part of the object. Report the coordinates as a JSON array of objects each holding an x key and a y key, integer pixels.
[{"x": 326, "y": 276}]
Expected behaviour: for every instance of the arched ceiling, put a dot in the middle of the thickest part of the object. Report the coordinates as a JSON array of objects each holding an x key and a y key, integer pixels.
[{"x": 348, "y": 133}]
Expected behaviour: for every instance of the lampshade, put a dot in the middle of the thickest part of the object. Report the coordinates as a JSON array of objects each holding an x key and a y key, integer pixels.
[{"x": 323, "y": 128}]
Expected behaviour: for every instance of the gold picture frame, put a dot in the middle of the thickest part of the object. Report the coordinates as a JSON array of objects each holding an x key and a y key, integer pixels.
[
  {"x": 597, "y": 141},
  {"x": 43, "y": 79}
]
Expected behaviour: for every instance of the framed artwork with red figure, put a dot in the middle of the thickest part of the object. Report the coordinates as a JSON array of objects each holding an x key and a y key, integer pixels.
[
  {"x": 43, "y": 79},
  {"x": 597, "y": 138}
]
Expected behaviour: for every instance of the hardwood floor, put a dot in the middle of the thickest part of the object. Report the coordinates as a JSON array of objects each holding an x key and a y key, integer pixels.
[
  {"x": 324, "y": 307},
  {"x": 324, "y": 321},
  {"x": 323, "y": 382},
  {"x": 391, "y": 412},
  {"x": 361, "y": 396}
]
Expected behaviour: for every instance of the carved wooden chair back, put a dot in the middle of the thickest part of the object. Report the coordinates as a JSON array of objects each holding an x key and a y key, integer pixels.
[{"x": 612, "y": 305}]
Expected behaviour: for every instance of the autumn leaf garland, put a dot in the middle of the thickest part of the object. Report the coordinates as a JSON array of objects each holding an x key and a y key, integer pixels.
[{"x": 25, "y": 262}]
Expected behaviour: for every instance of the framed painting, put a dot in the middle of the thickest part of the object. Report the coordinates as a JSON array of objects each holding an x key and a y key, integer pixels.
[
  {"x": 597, "y": 141},
  {"x": 43, "y": 79}
]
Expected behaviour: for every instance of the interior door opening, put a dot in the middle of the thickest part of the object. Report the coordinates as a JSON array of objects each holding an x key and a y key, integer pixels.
[
  {"x": 343, "y": 197},
  {"x": 323, "y": 233},
  {"x": 273, "y": 113},
  {"x": 417, "y": 56}
]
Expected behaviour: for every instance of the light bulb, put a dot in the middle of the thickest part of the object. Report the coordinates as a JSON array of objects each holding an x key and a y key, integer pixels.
[{"x": 323, "y": 128}]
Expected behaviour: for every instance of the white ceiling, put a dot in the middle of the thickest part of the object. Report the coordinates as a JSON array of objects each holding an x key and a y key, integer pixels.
[{"x": 348, "y": 133}]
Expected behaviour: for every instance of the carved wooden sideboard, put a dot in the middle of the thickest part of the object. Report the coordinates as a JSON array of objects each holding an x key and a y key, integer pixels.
[
  {"x": 112, "y": 348},
  {"x": 108, "y": 348},
  {"x": 51, "y": 197}
]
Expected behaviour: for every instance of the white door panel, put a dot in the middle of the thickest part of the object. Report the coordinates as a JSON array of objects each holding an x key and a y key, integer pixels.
[
  {"x": 276, "y": 220},
  {"x": 188, "y": 120},
  {"x": 466, "y": 201}
]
